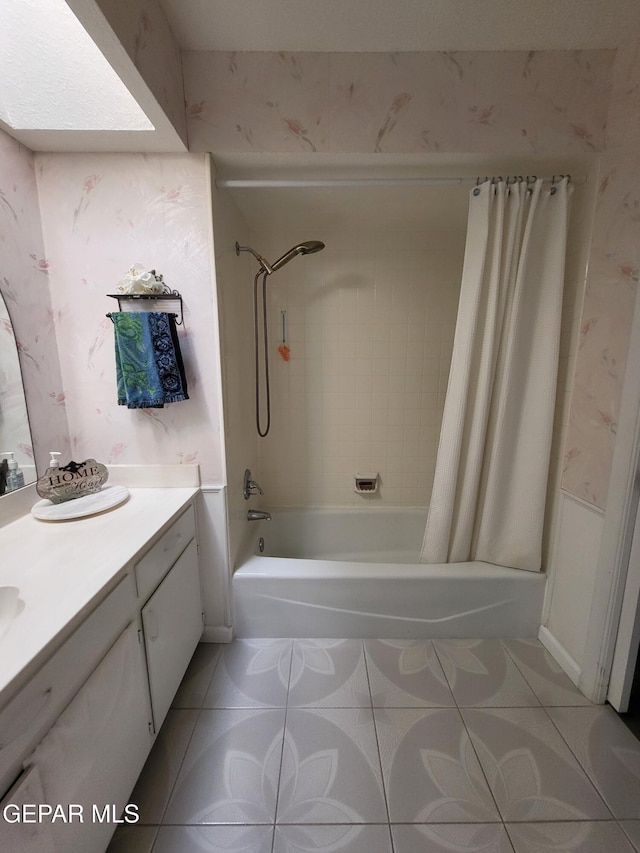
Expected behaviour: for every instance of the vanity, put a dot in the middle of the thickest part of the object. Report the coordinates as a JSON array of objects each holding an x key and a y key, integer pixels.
[{"x": 99, "y": 618}]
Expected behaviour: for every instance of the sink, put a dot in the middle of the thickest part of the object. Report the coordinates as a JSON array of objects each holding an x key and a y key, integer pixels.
[{"x": 11, "y": 606}]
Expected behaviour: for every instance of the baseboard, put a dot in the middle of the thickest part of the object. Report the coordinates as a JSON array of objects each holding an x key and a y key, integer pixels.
[
  {"x": 559, "y": 654},
  {"x": 216, "y": 634}
]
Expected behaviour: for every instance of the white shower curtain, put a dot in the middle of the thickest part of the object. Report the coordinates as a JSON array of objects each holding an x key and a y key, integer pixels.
[{"x": 490, "y": 482}]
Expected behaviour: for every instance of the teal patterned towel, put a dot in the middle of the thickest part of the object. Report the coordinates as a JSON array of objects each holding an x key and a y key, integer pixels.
[{"x": 149, "y": 368}]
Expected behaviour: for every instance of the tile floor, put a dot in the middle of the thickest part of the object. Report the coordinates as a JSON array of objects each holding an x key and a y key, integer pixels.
[{"x": 385, "y": 746}]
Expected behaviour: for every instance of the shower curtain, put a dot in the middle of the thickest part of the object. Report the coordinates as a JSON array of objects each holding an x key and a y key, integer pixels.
[{"x": 490, "y": 482}]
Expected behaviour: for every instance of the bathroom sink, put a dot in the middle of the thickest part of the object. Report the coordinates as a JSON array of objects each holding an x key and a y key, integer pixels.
[{"x": 11, "y": 606}]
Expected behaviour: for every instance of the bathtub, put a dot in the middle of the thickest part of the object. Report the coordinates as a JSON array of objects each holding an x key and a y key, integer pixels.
[{"x": 354, "y": 573}]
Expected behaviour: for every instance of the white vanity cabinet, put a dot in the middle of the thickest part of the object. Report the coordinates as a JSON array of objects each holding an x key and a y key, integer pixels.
[
  {"x": 78, "y": 732},
  {"x": 172, "y": 620},
  {"x": 90, "y": 759}
]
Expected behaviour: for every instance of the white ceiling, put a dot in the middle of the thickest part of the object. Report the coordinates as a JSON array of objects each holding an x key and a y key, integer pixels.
[{"x": 401, "y": 25}]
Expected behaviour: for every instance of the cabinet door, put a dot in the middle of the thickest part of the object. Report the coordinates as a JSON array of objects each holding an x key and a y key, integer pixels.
[
  {"x": 172, "y": 620},
  {"x": 93, "y": 755}
]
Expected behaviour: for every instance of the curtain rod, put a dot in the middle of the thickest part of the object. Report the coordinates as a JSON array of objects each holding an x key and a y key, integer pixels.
[{"x": 374, "y": 182}]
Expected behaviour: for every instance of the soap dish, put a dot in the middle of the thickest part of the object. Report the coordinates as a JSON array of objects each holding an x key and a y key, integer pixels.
[
  {"x": 366, "y": 484},
  {"x": 107, "y": 498}
]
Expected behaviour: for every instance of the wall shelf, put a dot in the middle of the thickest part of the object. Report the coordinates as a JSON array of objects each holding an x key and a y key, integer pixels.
[{"x": 150, "y": 302}]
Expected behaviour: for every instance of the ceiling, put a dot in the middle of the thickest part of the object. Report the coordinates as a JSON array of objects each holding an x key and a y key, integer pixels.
[{"x": 401, "y": 25}]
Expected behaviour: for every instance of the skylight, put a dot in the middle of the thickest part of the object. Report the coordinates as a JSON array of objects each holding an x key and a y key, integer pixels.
[{"x": 53, "y": 77}]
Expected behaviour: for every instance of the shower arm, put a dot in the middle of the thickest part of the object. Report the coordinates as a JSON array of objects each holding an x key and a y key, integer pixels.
[{"x": 265, "y": 266}]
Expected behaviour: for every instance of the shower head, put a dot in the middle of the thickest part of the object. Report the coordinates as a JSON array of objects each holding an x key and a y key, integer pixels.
[
  {"x": 307, "y": 248},
  {"x": 302, "y": 249}
]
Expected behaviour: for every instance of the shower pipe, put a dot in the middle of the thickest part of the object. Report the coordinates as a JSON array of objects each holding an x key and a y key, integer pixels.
[{"x": 266, "y": 269}]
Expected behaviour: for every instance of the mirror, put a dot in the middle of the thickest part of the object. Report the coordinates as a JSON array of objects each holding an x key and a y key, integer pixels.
[{"x": 15, "y": 435}]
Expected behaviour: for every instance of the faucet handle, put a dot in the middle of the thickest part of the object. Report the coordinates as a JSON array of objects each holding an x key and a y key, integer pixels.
[{"x": 249, "y": 486}]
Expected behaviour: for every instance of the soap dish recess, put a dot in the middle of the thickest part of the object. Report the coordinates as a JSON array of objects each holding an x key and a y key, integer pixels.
[{"x": 366, "y": 484}]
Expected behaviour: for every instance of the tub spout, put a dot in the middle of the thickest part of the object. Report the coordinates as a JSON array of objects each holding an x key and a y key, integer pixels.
[{"x": 258, "y": 515}]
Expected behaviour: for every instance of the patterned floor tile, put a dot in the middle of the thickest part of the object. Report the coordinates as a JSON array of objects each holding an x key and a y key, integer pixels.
[
  {"x": 451, "y": 838},
  {"x": 406, "y": 674},
  {"x": 251, "y": 674},
  {"x": 608, "y": 751},
  {"x": 133, "y": 839},
  {"x": 155, "y": 783},
  {"x": 632, "y": 830},
  {"x": 231, "y": 769},
  {"x": 545, "y": 677},
  {"x": 330, "y": 768},
  {"x": 532, "y": 773},
  {"x": 574, "y": 836},
  {"x": 329, "y": 674},
  {"x": 214, "y": 839},
  {"x": 350, "y": 838},
  {"x": 430, "y": 769},
  {"x": 481, "y": 674},
  {"x": 198, "y": 676}
]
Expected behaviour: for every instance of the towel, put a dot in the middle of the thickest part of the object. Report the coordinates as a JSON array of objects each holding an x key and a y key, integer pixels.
[{"x": 149, "y": 368}]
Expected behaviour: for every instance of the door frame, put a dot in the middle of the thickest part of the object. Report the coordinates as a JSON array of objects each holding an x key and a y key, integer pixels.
[{"x": 608, "y": 638}]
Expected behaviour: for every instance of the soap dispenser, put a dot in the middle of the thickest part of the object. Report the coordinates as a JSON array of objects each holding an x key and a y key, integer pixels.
[
  {"x": 54, "y": 462},
  {"x": 15, "y": 477}
]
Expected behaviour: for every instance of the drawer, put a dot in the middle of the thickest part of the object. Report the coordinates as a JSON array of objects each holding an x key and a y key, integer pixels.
[
  {"x": 25, "y": 719},
  {"x": 158, "y": 560}
]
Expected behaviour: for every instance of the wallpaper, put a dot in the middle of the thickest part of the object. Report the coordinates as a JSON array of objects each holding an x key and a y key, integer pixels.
[
  {"x": 144, "y": 32},
  {"x": 503, "y": 102},
  {"x": 553, "y": 103},
  {"x": 101, "y": 215},
  {"x": 614, "y": 271},
  {"x": 24, "y": 282}
]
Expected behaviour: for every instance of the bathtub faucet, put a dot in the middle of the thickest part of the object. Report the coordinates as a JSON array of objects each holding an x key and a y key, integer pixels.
[{"x": 258, "y": 515}]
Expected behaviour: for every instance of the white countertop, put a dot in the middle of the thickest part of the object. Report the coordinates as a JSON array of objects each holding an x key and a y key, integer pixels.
[{"x": 63, "y": 569}]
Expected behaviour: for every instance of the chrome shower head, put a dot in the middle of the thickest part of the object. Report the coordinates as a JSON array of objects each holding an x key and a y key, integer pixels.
[{"x": 307, "y": 248}]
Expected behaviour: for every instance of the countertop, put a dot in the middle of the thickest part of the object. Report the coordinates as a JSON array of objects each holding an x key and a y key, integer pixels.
[{"x": 64, "y": 569}]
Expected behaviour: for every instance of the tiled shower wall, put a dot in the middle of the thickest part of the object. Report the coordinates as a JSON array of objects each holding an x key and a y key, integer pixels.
[{"x": 369, "y": 323}]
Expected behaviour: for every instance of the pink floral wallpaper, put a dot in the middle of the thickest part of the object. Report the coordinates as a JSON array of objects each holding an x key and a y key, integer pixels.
[
  {"x": 143, "y": 30},
  {"x": 503, "y": 102},
  {"x": 101, "y": 214},
  {"x": 556, "y": 103},
  {"x": 24, "y": 282},
  {"x": 614, "y": 272}
]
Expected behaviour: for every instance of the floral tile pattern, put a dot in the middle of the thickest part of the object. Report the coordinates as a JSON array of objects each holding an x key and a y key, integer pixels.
[
  {"x": 353, "y": 838},
  {"x": 609, "y": 753},
  {"x": 198, "y": 676},
  {"x": 133, "y": 839},
  {"x": 547, "y": 680},
  {"x": 230, "y": 773},
  {"x": 330, "y": 768},
  {"x": 251, "y": 674},
  {"x": 430, "y": 769},
  {"x": 160, "y": 772},
  {"x": 582, "y": 837},
  {"x": 632, "y": 829},
  {"x": 214, "y": 839},
  {"x": 451, "y": 838},
  {"x": 481, "y": 674},
  {"x": 406, "y": 674},
  {"x": 328, "y": 673},
  {"x": 405, "y": 769},
  {"x": 532, "y": 773}
]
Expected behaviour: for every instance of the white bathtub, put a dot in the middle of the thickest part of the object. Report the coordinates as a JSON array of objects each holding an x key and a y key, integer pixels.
[{"x": 355, "y": 573}]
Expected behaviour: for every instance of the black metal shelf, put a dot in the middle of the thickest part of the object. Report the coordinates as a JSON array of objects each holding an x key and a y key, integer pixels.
[{"x": 170, "y": 295}]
